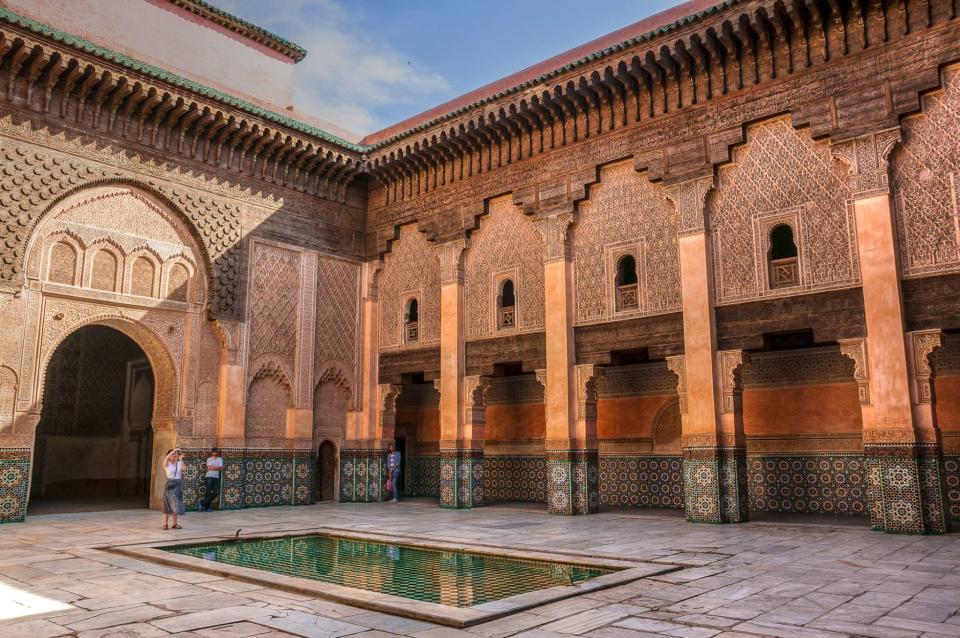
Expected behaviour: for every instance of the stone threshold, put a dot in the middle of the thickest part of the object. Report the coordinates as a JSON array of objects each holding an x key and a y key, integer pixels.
[{"x": 457, "y": 617}]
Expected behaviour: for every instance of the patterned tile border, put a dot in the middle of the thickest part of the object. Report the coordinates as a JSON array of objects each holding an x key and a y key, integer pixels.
[
  {"x": 253, "y": 478},
  {"x": 461, "y": 479},
  {"x": 515, "y": 478},
  {"x": 807, "y": 483},
  {"x": 363, "y": 476},
  {"x": 715, "y": 485},
  {"x": 14, "y": 483},
  {"x": 573, "y": 479},
  {"x": 422, "y": 476},
  {"x": 906, "y": 489},
  {"x": 951, "y": 476},
  {"x": 641, "y": 481}
]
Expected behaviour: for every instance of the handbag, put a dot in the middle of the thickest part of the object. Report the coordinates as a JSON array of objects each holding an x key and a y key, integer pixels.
[{"x": 389, "y": 485}]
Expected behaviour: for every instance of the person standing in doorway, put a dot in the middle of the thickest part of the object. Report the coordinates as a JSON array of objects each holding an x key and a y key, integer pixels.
[
  {"x": 173, "y": 488},
  {"x": 393, "y": 472},
  {"x": 212, "y": 480}
]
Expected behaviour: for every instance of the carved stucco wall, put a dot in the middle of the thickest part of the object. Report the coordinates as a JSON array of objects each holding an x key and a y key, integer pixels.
[
  {"x": 507, "y": 244},
  {"x": 625, "y": 214},
  {"x": 274, "y": 307},
  {"x": 411, "y": 268},
  {"x": 338, "y": 315},
  {"x": 780, "y": 175},
  {"x": 926, "y": 183}
]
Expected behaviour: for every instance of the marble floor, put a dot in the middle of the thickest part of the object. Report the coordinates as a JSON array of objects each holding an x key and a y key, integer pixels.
[{"x": 790, "y": 579}]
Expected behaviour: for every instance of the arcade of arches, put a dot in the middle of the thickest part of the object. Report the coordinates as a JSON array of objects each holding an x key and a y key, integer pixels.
[{"x": 606, "y": 288}]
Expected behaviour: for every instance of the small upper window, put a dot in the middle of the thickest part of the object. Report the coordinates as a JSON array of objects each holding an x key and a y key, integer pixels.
[
  {"x": 626, "y": 283},
  {"x": 506, "y": 305},
  {"x": 784, "y": 271},
  {"x": 412, "y": 321}
]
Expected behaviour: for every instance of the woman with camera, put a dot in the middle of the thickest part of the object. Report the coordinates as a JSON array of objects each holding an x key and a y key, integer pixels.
[{"x": 173, "y": 488}]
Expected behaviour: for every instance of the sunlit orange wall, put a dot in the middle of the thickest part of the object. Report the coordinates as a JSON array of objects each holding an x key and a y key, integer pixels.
[
  {"x": 947, "y": 390},
  {"x": 628, "y": 417},
  {"x": 807, "y": 409},
  {"x": 427, "y": 423},
  {"x": 515, "y": 422}
]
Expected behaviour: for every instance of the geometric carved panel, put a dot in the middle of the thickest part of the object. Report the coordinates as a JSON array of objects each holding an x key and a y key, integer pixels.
[
  {"x": 141, "y": 278},
  {"x": 267, "y": 401},
  {"x": 625, "y": 208},
  {"x": 338, "y": 296},
  {"x": 274, "y": 310},
  {"x": 411, "y": 267},
  {"x": 781, "y": 168},
  {"x": 506, "y": 240},
  {"x": 205, "y": 414},
  {"x": 926, "y": 170},
  {"x": 8, "y": 394}
]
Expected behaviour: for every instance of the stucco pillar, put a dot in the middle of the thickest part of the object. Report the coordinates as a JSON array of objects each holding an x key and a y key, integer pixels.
[
  {"x": 231, "y": 411},
  {"x": 461, "y": 398},
  {"x": 714, "y": 455},
  {"x": 362, "y": 457},
  {"x": 905, "y": 480},
  {"x": 571, "y": 443}
]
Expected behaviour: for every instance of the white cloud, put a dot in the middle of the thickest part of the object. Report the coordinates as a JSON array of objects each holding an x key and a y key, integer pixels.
[{"x": 347, "y": 73}]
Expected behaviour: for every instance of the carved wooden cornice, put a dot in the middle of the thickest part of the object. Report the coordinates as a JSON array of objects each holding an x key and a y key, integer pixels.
[
  {"x": 767, "y": 53},
  {"x": 69, "y": 81}
]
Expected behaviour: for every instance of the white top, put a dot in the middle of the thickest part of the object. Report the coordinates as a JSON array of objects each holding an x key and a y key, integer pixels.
[
  {"x": 217, "y": 463},
  {"x": 174, "y": 470}
]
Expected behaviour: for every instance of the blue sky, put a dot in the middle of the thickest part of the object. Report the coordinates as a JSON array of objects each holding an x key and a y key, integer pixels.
[{"x": 371, "y": 63}]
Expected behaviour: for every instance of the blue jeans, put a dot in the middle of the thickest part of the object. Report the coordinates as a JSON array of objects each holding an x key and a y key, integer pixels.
[{"x": 395, "y": 479}]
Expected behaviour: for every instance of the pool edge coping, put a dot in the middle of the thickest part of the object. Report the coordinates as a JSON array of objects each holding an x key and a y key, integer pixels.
[{"x": 457, "y": 617}]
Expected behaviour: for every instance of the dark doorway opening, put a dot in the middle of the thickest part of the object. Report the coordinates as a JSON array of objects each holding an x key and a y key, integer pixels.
[
  {"x": 94, "y": 441},
  {"x": 326, "y": 471}
]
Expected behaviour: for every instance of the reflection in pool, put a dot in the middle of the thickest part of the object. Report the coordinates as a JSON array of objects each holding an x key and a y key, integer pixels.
[{"x": 457, "y": 579}]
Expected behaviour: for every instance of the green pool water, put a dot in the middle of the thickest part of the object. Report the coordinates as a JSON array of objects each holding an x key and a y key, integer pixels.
[{"x": 457, "y": 579}]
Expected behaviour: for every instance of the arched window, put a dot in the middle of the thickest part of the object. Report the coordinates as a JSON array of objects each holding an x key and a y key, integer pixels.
[
  {"x": 784, "y": 271},
  {"x": 411, "y": 321},
  {"x": 103, "y": 275},
  {"x": 178, "y": 283},
  {"x": 626, "y": 282},
  {"x": 506, "y": 305},
  {"x": 63, "y": 264},
  {"x": 141, "y": 277}
]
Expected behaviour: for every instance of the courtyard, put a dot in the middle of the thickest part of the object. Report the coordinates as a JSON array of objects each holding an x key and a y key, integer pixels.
[{"x": 812, "y": 577}]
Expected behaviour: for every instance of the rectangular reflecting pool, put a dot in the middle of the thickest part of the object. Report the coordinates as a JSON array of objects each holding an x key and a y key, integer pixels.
[{"x": 452, "y": 578}]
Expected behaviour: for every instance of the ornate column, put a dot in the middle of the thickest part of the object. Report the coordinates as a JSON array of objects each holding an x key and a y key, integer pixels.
[
  {"x": 461, "y": 435},
  {"x": 362, "y": 457},
  {"x": 572, "y": 462},
  {"x": 714, "y": 459},
  {"x": 905, "y": 482},
  {"x": 231, "y": 412}
]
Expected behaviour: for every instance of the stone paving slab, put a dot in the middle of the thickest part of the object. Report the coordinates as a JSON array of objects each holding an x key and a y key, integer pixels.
[{"x": 737, "y": 581}]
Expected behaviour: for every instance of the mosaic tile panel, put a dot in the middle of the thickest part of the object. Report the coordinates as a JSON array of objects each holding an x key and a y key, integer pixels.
[
  {"x": 815, "y": 484},
  {"x": 420, "y": 476},
  {"x": 363, "y": 476},
  {"x": 14, "y": 483},
  {"x": 641, "y": 481},
  {"x": 906, "y": 490},
  {"x": 515, "y": 478},
  {"x": 461, "y": 479},
  {"x": 715, "y": 485},
  {"x": 253, "y": 478},
  {"x": 573, "y": 479},
  {"x": 951, "y": 479}
]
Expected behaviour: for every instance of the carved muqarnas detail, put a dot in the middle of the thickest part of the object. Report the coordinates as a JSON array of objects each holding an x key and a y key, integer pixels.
[
  {"x": 30, "y": 180},
  {"x": 506, "y": 240},
  {"x": 625, "y": 215},
  {"x": 926, "y": 182},
  {"x": 411, "y": 267},
  {"x": 856, "y": 350},
  {"x": 778, "y": 169}
]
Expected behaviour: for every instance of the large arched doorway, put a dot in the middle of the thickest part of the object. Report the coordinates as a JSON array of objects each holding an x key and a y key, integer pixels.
[{"x": 93, "y": 447}]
